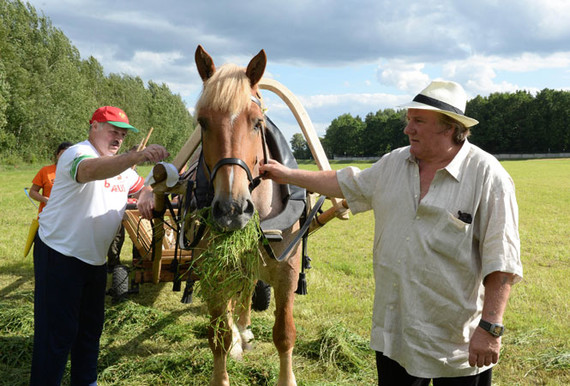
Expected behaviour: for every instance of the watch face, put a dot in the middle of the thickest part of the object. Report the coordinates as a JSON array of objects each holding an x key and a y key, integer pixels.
[{"x": 497, "y": 329}]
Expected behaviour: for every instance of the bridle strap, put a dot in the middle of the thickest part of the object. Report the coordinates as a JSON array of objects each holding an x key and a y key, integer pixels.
[
  {"x": 257, "y": 180},
  {"x": 230, "y": 161},
  {"x": 253, "y": 182}
]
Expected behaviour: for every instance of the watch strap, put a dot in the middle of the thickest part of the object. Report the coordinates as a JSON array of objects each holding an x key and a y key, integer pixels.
[{"x": 495, "y": 329}]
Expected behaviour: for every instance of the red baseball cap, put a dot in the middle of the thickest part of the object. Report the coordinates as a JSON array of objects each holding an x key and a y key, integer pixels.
[{"x": 114, "y": 116}]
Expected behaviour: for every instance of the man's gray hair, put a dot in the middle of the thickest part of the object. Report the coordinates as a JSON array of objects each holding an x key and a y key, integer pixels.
[{"x": 460, "y": 132}]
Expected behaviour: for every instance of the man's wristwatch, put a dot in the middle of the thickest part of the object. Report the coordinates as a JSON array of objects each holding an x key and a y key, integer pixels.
[{"x": 495, "y": 329}]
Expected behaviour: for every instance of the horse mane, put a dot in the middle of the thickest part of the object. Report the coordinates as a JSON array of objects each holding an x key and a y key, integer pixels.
[{"x": 228, "y": 90}]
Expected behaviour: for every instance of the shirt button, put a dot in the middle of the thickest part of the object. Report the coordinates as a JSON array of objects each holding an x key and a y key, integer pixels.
[{"x": 407, "y": 239}]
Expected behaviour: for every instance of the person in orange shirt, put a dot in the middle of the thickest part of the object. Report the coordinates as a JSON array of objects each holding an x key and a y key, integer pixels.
[{"x": 43, "y": 181}]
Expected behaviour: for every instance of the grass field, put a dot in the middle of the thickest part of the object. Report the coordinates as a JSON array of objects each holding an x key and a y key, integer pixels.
[{"x": 153, "y": 339}]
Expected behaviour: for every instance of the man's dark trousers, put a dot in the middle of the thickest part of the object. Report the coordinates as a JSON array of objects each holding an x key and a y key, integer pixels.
[{"x": 69, "y": 310}]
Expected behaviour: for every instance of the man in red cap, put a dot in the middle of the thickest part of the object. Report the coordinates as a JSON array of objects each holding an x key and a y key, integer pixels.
[{"x": 77, "y": 226}]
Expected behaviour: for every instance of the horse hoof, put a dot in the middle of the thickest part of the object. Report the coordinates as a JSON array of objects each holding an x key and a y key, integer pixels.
[
  {"x": 247, "y": 339},
  {"x": 236, "y": 352}
]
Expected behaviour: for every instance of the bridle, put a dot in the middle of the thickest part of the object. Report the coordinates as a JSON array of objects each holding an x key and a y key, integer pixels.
[{"x": 253, "y": 182}]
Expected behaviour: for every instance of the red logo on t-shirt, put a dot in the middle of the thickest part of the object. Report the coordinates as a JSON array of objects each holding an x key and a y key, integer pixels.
[{"x": 116, "y": 187}]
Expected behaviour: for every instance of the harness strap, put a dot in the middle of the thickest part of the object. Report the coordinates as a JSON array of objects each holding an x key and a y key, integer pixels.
[
  {"x": 303, "y": 229},
  {"x": 253, "y": 182},
  {"x": 230, "y": 161}
]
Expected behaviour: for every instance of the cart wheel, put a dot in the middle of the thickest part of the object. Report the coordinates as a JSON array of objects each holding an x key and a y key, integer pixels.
[
  {"x": 261, "y": 296},
  {"x": 120, "y": 287}
]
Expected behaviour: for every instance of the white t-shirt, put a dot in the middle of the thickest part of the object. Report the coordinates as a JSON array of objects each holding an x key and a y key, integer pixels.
[
  {"x": 81, "y": 219},
  {"x": 429, "y": 260}
]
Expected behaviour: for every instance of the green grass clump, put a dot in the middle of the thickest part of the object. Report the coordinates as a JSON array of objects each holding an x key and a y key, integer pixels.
[
  {"x": 229, "y": 267},
  {"x": 338, "y": 347}
]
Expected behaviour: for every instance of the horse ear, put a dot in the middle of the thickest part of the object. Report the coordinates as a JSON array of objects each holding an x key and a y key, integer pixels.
[
  {"x": 256, "y": 68},
  {"x": 204, "y": 63}
]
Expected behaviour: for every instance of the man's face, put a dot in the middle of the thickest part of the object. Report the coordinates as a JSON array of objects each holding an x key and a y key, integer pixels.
[
  {"x": 107, "y": 138},
  {"x": 429, "y": 139}
]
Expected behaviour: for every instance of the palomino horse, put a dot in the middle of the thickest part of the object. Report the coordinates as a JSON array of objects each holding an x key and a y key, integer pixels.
[{"x": 232, "y": 122}]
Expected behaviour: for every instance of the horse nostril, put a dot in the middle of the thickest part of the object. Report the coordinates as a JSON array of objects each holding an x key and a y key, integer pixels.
[
  {"x": 248, "y": 207},
  {"x": 217, "y": 210}
]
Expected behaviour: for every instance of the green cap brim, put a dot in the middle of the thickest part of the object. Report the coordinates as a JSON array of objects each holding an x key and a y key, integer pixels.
[{"x": 123, "y": 125}]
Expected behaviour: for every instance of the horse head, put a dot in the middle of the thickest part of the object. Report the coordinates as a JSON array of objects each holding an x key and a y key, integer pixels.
[{"x": 232, "y": 123}]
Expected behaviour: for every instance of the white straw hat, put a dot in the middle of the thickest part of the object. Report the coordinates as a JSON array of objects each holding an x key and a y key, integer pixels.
[{"x": 447, "y": 97}]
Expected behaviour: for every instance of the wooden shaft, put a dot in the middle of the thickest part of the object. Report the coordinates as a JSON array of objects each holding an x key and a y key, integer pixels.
[
  {"x": 308, "y": 130},
  {"x": 159, "y": 174},
  {"x": 143, "y": 143},
  {"x": 188, "y": 149},
  {"x": 328, "y": 215}
]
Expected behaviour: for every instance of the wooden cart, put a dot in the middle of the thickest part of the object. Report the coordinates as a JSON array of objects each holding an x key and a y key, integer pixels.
[{"x": 141, "y": 233}]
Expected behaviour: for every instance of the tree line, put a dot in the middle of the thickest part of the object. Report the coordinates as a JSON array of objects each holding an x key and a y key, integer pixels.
[
  {"x": 48, "y": 93},
  {"x": 509, "y": 123}
]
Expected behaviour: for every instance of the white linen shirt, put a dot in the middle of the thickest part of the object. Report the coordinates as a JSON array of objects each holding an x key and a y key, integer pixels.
[
  {"x": 81, "y": 219},
  {"x": 429, "y": 265}
]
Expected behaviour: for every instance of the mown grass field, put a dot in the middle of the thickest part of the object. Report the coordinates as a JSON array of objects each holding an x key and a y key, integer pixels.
[{"x": 153, "y": 339}]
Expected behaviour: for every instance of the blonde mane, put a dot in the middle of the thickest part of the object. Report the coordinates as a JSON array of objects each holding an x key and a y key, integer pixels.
[{"x": 228, "y": 91}]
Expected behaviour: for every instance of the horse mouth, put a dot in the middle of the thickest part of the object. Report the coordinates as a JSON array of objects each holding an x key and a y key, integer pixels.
[{"x": 232, "y": 215}]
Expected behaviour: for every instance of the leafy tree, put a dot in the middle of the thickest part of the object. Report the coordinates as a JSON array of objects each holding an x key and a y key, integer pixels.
[
  {"x": 344, "y": 135},
  {"x": 550, "y": 118},
  {"x": 300, "y": 147},
  {"x": 47, "y": 93},
  {"x": 4, "y": 94},
  {"x": 383, "y": 132},
  {"x": 170, "y": 118}
]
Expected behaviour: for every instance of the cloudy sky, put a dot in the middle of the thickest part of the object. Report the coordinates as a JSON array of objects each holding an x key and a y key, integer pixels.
[{"x": 337, "y": 56}]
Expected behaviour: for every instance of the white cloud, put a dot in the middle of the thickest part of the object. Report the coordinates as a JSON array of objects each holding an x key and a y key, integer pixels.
[
  {"x": 478, "y": 74},
  {"x": 146, "y": 63},
  {"x": 404, "y": 76}
]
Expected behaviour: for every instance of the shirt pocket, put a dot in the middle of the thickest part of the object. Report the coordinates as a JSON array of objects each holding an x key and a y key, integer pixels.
[{"x": 451, "y": 237}]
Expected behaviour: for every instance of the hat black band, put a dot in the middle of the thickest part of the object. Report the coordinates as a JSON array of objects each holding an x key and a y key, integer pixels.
[{"x": 437, "y": 103}]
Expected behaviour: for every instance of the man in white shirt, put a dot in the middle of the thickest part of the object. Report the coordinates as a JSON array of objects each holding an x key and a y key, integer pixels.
[
  {"x": 85, "y": 210},
  {"x": 446, "y": 246}
]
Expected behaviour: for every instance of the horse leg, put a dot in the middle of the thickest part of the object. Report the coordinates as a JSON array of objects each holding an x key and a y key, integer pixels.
[
  {"x": 243, "y": 323},
  {"x": 284, "y": 331},
  {"x": 220, "y": 341}
]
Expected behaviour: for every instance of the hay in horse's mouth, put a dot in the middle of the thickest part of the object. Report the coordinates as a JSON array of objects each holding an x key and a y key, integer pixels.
[{"x": 229, "y": 267}]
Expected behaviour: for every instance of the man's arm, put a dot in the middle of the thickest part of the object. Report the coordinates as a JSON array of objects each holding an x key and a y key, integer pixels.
[
  {"x": 145, "y": 202},
  {"x": 484, "y": 348},
  {"x": 323, "y": 182},
  {"x": 100, "y": 168},
  {"x": 35, "y": 194}
]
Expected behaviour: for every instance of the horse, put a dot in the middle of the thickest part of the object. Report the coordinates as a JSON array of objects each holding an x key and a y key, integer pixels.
[{"x": 232, "y": 123}]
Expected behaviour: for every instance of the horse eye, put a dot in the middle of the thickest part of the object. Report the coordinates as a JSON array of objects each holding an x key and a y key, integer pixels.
[{"x": 258, "y": 125}]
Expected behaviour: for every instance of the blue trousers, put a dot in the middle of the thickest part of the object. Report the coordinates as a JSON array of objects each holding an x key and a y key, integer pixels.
[{"x": 69, "y": 311}]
